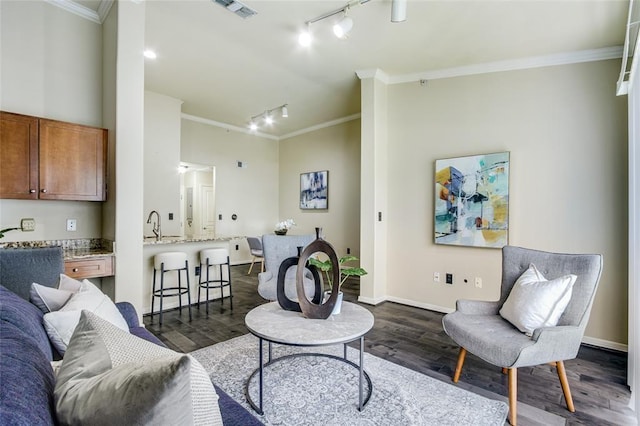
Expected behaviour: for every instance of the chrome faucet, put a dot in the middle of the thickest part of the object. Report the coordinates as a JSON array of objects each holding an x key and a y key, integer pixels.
[{"x": 156, "y": 227}]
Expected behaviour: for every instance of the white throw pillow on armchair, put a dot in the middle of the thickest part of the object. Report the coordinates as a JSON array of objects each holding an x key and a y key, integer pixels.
[{"x": 536, "y": 302}]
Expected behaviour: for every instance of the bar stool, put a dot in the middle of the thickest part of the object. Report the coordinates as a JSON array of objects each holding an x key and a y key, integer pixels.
[
  {"x": 210, "y": 258},
  {"x": 167, "y": 262}
]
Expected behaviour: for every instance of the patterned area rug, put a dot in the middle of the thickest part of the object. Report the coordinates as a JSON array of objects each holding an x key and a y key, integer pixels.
[{"x": 314, "y": 390}]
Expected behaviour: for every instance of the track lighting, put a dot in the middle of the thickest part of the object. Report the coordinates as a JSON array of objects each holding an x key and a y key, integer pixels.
[
  {"x": 305, "y": 37},
  {"x": 340, "y": 29},
  {"x": 267, "y": 116},
  {"x": 398, "y": 10}
]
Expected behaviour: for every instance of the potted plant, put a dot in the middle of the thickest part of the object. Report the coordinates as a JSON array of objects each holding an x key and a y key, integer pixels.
[
  {"x": 282, "y": 227},
  {"x": 3, "y": 231},
  {"x": 346, "y": 272}
]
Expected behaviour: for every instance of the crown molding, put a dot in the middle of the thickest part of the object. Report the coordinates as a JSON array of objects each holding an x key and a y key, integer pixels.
[
  {"x": 321, "y": 126},
  {"x": 104, "y": 8},
  {"x": 375, "y": 73},
  {"x": 577, "y": 57},
  {"x": 227, "y": 126},
  {"x": 77, "y": 9}
]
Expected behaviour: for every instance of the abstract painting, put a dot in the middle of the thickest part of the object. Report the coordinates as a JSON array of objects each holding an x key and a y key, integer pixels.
[
  {"x": 472, "y": 200},
  {"x": 314, "y": 190}
]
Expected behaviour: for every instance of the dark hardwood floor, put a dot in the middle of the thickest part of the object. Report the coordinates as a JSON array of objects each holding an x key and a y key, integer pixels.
[{"x": 414, "y": 338}]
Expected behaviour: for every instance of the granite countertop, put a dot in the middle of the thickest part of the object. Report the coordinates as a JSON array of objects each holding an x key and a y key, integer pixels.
[
  {"x": 174, "y": 239},
  {"x": 83, "y": 253},
  {"x": 72, "y": 248}
]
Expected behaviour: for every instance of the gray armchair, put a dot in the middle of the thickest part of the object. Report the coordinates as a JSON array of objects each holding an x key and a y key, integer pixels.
[
  {"x": 479, "y": 329},
  {"x": 277, "y": 248}
]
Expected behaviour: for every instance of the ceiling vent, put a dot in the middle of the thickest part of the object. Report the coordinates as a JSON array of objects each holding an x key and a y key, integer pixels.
[{"x": 236, "y": 7}]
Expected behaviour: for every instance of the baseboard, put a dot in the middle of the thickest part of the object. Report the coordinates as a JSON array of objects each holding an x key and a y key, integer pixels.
[
  {"x": 371, "y": 301},
  {"x": 621, "y": 347},
  {"x": 415, "y": 304},
  {"x": 601, "y": 343}
]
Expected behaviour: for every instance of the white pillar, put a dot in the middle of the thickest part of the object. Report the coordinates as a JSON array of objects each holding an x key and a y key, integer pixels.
[{"x": 374, "y": 183}]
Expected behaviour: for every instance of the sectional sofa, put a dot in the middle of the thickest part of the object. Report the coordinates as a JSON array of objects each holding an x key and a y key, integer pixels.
[{"x": 28, "y": 380}]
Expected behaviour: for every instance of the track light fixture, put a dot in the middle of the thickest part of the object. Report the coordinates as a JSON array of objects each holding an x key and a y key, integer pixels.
[
  {"x": 398, "y": 10},
  {"x": 267, "y": 116},
  {"x": 340, "y": 29}
]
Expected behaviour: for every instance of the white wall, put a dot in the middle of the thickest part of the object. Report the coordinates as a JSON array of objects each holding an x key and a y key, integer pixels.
[
  {"x": 251, "y": 192},
  {"x": 50, "y": 66},
  {"x": 336, "y": 149},
  {"x": 566, "y": 132},
  {"x": 161, "y": 159}
]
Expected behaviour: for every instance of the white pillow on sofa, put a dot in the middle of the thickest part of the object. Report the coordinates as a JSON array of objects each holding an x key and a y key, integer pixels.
[
  {"x": 60, "y": 324},
  {"x": 109, "y": 377},
  {"x": 536, "y": 302},
  {"x": 50, "y": 299}
]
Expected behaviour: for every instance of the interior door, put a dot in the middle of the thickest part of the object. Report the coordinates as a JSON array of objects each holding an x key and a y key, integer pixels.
[{"x": 208, "y": 211}]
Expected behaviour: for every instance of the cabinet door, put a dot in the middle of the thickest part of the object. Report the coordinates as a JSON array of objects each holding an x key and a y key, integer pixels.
[
  {"x": 18, "y": 156},
  {"x": 72, "y": 161}
]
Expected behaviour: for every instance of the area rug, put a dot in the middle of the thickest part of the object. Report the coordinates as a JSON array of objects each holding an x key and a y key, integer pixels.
[{"x": 314, "y": 390}]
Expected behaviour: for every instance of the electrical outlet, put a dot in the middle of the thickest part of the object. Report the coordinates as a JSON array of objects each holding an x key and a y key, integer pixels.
[
  {"x": 348, "y": 250},
  {"x": 197, "y": 271},
  {"x": 237, "y": 247},
  {"x": 478, "y": 282},
  {"x": 71, "y": 225},
  {"x": 28, "y": 224},
  {"x": 449, "y": 278},
  {"x": 436, "y": 277},
  {"x": 170, "y": 216}
]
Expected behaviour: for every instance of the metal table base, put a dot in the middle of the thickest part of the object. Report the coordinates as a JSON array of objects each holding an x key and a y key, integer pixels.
[{"x": 363, "y": 375}]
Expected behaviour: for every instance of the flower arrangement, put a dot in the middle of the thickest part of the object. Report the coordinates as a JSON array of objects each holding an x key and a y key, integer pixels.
[{"x": 282, "y": 227}]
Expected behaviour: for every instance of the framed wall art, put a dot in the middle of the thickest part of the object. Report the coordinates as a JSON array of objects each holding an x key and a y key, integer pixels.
[
  {"x": 472, "y": 200},
  {"x": 314, "y": 190}
]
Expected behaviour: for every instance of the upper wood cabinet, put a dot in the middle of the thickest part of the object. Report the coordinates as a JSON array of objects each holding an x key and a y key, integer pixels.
[
  {"x": 66, "y": 162},
  {"x": 18, "y": 156}
]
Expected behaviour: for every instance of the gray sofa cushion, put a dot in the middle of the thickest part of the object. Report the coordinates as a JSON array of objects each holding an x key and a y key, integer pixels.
[
  {"x": 26, "y": 317},
  {"x": 21, "y": 267}
]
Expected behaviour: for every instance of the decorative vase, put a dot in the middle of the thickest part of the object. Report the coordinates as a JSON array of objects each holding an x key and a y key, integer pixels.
[
  {"x": 338, "y": 305},
  {"x": 280, "y": 232}
]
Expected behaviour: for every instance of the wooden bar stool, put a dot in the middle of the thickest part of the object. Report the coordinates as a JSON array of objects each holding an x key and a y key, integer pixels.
[
  {"x": 210, "y": 260},
  {"x": 167, "y": 262}
]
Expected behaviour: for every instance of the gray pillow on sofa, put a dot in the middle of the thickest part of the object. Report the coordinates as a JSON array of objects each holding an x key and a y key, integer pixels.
[{"x": 109, "y": 376}]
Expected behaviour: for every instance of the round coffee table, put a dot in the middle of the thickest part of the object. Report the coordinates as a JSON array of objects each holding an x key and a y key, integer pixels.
[{"x": 271, "y": 323}]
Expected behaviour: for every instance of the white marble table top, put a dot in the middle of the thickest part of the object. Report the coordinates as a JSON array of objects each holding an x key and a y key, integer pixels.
[{"x": 274, "y": 324}]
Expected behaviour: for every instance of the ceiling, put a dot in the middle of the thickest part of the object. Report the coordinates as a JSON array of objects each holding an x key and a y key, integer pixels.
[{"x": 227, "y": 69}]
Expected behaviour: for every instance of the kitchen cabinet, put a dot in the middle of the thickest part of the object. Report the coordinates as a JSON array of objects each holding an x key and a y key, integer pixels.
[
  {"x": 18, "y": 156},
  {"x": 51, "y": 160},
  {"x": 90, "y": 267}
]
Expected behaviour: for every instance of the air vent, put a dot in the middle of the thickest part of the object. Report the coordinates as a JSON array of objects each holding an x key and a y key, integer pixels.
[{"x": 236, "y": 7}]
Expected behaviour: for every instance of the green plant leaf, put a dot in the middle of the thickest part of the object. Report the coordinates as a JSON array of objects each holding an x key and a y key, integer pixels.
[{"x": 349, "y": 258}]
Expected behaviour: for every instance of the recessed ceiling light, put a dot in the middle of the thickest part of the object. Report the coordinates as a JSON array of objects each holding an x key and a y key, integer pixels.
[{"x": 150, "y": 54}]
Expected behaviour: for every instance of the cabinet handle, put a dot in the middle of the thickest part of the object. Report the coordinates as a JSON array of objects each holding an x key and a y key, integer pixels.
[
  {"x": 43, "y": 190},
  {"x": 32, "y": 191},
  {"x": 75, "y": 269}
]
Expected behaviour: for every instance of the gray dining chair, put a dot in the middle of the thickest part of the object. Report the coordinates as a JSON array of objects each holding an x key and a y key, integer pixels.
[
  {"x": 255, "y": 247},
  {"x": 478, "y": 328},
  {"x": 278, "y": 248}
]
